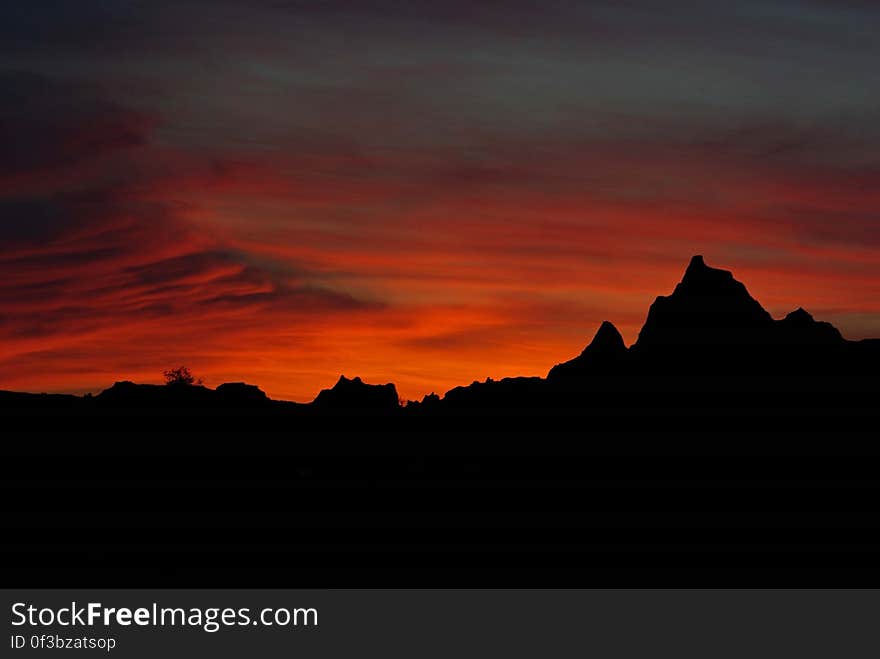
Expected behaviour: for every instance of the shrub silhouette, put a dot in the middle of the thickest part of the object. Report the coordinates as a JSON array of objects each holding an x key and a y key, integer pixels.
[{"x": 180, "y": 376}]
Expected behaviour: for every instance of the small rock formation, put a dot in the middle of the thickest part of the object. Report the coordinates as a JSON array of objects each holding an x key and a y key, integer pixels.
[{"x": 355, "y": 394}]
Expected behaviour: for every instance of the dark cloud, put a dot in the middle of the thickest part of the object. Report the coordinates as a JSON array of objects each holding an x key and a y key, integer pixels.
[
  {"x": 55, "y": 259},
  {"x": 47, "y": 124},
  {"x": 31, "y": 220},
  {"x": 99, "y": 238},
  {"x": 60, "y": 26},
  {"x": 100, "y": 28}
]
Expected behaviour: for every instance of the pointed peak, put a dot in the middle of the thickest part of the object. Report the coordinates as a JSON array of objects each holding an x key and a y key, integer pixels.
[
  {"x": 800, "y": 315},
  {"x": 697, "y": 262},
  {"x": 607, "y": 334},
  {"x": 605, "y": 353},
  {"x": 801, "y": 327},
  {"x": 698, "y": 272},
  {"x": 697, "y": 268},
  {"x": 606, "y": 341}
]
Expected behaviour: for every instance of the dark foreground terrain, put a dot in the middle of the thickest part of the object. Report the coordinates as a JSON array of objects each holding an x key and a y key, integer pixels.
[{"x": 723, "y": 448}]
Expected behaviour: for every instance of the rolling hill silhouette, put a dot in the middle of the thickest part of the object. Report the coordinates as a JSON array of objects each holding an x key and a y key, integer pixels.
[{"x": 724, "y": 447}]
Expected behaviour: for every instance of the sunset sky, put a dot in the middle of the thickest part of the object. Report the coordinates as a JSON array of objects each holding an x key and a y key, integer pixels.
[{"x": 428, "y": 193}]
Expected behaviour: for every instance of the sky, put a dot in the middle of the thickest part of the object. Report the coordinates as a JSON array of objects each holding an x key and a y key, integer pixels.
[{"x": 281, "y": 192}]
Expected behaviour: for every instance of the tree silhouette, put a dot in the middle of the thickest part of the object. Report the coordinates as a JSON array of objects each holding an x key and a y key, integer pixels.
[{"x": 180, "y": 376}]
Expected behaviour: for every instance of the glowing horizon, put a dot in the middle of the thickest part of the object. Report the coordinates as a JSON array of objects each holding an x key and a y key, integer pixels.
[{"x": 427, "y": 196}]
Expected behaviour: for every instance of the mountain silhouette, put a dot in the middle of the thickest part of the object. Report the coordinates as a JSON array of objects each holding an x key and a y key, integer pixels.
[
  {"x": 724, "y": 447},
  {"x": 707, "y": 343},
  {"x": 708, "y": 307}
]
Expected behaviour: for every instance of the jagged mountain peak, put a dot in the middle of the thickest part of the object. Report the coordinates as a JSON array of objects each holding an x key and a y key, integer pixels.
[{"x": 709, "y": 306}]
